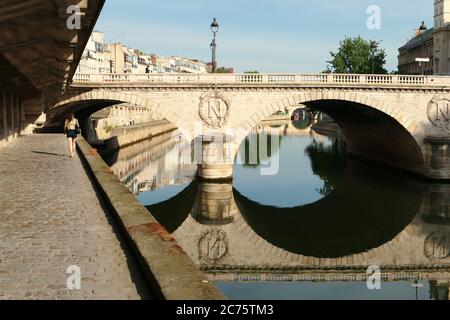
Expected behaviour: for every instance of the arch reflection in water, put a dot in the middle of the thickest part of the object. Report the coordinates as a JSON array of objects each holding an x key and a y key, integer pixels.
[
  {"x": 357, "y": 215},
  {"x": 237, "y": 252},
  {"x": 238, "y": 245},
  {"x": 363, "y": 212}
]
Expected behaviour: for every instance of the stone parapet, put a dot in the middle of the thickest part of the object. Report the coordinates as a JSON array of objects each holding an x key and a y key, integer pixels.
[
  {"x": 171, "y": 273},
  {"x": 129, "y": 135}
]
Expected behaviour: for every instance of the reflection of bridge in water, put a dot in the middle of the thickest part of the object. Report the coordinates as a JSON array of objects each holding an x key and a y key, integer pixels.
[
  {"x": 161, "y": 161},
  {"x": 152, "y": 164},
  {"x": 283, "y": 128},
  {"x": 230, "y": 237},
  {"x": 369, "y": 218}
]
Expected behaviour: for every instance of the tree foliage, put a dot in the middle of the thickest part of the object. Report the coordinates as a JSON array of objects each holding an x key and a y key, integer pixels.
[
  {"x": 224, "y": 70},
  {"x": 356, "y": 55}
]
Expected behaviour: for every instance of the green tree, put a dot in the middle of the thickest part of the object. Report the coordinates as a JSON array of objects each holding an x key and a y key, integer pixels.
[
  {"x": 224, "y": 70},
  {"x": 356, "y": 55}
]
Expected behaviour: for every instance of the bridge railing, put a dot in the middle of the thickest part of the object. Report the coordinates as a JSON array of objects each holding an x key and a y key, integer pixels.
[{"x": 321, "y": 78}]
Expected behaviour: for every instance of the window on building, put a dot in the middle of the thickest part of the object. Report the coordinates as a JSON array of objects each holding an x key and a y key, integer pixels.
[{"x": 98, "y": 47}]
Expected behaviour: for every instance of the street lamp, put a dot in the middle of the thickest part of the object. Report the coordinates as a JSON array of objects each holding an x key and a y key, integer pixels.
[
  {"x": 214, "y": 30},
  {"x": 422, "y": 30}
]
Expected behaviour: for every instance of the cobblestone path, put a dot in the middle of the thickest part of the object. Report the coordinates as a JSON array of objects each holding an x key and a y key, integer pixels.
[{"x": 50, "y": 219}]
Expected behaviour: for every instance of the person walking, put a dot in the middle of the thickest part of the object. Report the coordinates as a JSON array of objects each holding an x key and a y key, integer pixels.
[{"x": 72, "y": 129}]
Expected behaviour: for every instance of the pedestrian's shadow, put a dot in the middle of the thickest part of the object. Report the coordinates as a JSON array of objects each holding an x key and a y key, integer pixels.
[{"x": 50, "y": 153}]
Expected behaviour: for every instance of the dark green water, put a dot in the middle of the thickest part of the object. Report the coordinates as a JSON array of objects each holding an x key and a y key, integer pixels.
[{"x": 295, "y": 234}]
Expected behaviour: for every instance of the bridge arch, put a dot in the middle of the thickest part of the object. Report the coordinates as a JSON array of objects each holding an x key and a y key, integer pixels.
[
  {"x": 94, "y": 100},
  {"x": 375, "y": 130}
]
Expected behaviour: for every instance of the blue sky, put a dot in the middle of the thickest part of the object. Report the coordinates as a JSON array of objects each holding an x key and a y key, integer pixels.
[{"x": 263, "y": 35}]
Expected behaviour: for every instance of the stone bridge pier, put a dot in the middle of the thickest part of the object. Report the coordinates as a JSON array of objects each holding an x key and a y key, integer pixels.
[
  {"x": 398, "y": 121},
  {"x": 216, "y": 159}
]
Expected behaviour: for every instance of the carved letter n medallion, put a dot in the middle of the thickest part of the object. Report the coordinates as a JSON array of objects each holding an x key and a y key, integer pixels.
[
  {"x": 439, "y": 112},
  {"x": 214, "y": 110}
]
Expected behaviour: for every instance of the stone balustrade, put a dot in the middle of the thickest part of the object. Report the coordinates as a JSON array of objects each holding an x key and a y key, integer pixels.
[{"x": 300, "y": 79}]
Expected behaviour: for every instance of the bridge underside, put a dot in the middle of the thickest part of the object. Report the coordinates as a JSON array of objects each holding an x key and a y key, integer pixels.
[
  {"x": 36, "y": 40},
  {"x": 373, "y": 135},
  {"x": 39, "y": 55},
  {"x": 82, "y": 110}
]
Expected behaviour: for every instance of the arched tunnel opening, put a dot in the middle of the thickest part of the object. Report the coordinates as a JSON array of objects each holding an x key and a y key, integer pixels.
[
  {"x": 82, "y": 111},
  {"x": 103, "y": 128},
  {"x": 302, "y": 118}
]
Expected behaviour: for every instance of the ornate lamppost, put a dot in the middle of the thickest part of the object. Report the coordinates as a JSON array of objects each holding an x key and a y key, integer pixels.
[{"x": 214, "y": 30}]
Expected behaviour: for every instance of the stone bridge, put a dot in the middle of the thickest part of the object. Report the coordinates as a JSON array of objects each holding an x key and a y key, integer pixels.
[{"x": 399, "y": 121}]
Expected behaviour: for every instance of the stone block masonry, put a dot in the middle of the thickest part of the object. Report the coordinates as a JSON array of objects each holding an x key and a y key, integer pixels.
[{"x": 126, "y": 136}]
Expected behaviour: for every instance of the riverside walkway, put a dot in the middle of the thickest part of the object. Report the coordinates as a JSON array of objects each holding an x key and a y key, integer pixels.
[{"x": 51, "y": 218}]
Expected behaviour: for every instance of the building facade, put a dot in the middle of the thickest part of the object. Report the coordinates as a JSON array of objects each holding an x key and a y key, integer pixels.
[
  {"x": 95, "y": 59},
  {"x": 189, "y": 66},
  {"x": 421, "y": 46},
  {"x": 432, "y": 44},
  {"x": 441, "y": 34},
  {"x": 100, "y": 57}
]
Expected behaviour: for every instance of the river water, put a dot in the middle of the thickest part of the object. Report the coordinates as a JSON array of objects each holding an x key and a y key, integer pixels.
[{"x": 317, "y": 229}]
